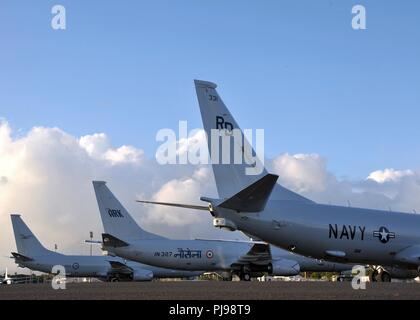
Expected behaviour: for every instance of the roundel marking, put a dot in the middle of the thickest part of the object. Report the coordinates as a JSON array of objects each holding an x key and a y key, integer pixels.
[{"x": 209, "y": 254}]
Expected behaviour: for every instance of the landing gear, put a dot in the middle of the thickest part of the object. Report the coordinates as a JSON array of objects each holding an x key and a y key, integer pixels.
[
  {"x": 380, "y": 275},
  {"x": 245, "y": 277},
  {"x": 375, "y": 276},
  {"x": 115, "y": 279},
  {"x": 245, "y": 274},
  {"x": 385, "y": 276}
]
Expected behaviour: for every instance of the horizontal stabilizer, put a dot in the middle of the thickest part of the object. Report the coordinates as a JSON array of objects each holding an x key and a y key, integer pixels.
[
  {"x": 93, "y": 241},
  {"x": 253, "y": 198},
  {"x": 178, "y": 205},
  {"x": 111, "y": 241},
  {"x": 21, "y": 257}
]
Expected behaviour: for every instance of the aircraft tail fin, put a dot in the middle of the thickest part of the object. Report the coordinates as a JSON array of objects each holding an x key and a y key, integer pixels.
[
  {"x": 253, "y": 198},
  {"x": 116, "y": 220},
  {"x": 233, "y": 176},
  {"x": 26, "y": 242}
]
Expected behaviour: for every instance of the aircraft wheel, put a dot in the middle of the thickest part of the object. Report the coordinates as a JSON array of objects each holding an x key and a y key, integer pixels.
[
  {"x": 375, "y": 276},
  {"x": 385, "y": 277},
  {"x": 246, "y": 276},
  {"x": 115, "y": 280}
]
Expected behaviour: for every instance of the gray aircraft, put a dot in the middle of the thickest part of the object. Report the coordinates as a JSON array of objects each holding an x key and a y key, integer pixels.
[
  {"x": 259, "y": 206},
  {"x": 6, "y": 280},
  {"x": 125, "y": 238},
  {"x": 33, "y": 255}
]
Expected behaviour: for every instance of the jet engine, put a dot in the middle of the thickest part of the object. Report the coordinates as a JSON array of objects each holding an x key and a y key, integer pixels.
[
  {"x": 284, "y": 267},
  {"x": 142, "y": 275}
]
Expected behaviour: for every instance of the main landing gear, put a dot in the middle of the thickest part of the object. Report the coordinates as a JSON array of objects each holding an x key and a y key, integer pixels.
[
  {"x": 380, "y": 275},
  {"x": 245, "y": 274}
]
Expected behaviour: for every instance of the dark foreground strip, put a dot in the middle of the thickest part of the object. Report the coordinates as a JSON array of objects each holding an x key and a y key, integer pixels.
[{"x": 207, "y": 309}]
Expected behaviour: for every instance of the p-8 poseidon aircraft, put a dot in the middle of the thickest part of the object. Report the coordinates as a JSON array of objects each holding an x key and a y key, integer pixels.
[
  {"x": 33, "y": 255},
  {"x": 125, "y": 238},
  {"x": 259, "y": 206}
]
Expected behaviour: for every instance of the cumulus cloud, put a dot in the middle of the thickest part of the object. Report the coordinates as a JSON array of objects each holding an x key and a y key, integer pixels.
[
  {"x": 389, "y": 175},
  {"x": 191, "y": 149},
  {"x": 99, "y": 147},
  {"x": 46, "y": 176},
  {"x": 302, "y": 172},
  {"x": 382, "y": 189},
  {"x": 185, "y": 190}
]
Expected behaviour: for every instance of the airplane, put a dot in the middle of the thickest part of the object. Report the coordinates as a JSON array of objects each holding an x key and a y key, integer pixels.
[
  {"x": 33, "y": 255},
  {"x": 259, "y": 206},
  {"x": 125, "y": 238},
  {"x": 6, "y": 280}
]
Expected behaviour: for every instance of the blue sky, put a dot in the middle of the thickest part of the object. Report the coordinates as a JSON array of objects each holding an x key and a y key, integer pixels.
[{"x": 295, "y": 68}]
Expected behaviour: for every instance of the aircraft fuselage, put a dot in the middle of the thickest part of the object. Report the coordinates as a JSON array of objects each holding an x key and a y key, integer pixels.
[
  {"x": 349, "y": 234},
  {"x": 184, "y": 254}
]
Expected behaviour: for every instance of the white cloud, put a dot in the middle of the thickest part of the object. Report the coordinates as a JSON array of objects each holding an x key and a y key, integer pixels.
[
  {"x": 46, "y": 176},
  {"x": 308, "y": 175},
  {"x": 389, "y": 175},
  {"x": 302, "y": 172},
  {"x": 124, "y": 155},
  {"x": 99, "y": 147},
  {"x": 184, "y": 190},
  {"x": 95, "y": 144},
  {"x": 192, "y": 149}
]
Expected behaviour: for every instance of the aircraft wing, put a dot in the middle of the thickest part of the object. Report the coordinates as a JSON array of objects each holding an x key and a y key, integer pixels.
[
  {"x": 260, "y": 253},
  {"x": 235, "y": 241}
]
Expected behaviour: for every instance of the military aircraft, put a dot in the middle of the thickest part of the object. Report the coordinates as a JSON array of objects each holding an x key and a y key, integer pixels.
[
  {"x": 257, "y": 205},
  {"x": 6, "y": 280},
  {"x": 125, "y": 238},
  {"x": 33, "y": 255}
]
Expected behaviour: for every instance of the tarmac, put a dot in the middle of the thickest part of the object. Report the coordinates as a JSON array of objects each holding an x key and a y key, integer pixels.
[{"x": 212, "y": 290}]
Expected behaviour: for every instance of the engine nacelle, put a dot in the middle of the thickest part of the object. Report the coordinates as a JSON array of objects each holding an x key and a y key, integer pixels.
[
  {"x": 223, "y": 223},
  {"x": 142, "y": 275},
  {"x": 401, "y": 273},
  {"x": 284, "y": 267}
]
